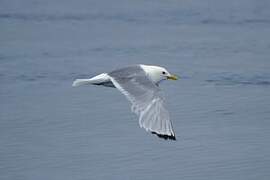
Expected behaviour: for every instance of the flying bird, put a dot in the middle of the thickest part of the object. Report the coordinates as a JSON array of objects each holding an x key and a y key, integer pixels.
[{"x": 140, "y": 85}]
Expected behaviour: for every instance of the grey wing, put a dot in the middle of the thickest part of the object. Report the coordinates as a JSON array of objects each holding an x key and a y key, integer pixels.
[{"x": 146, "y": 101}]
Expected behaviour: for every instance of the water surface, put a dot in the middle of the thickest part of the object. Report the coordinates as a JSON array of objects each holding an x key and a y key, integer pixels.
[{"x": 220, "y": 108}]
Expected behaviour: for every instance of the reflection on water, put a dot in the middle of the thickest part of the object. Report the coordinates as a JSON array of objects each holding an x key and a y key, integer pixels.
[
  {"x": 237, "y": 79},
  {"x": 164, "y": 18}
]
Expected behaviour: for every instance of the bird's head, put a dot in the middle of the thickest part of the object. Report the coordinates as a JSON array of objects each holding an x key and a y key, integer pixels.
[{"x": 158, "y": 74}]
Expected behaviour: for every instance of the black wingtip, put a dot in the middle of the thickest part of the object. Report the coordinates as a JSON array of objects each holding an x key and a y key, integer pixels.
[{"x": 164, "y": 136}]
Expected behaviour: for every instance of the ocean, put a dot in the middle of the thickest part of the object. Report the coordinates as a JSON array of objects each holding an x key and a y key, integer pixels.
[{"x": 220, "y": 108}]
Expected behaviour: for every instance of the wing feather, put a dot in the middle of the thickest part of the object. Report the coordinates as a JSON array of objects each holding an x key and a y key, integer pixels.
[{"x": 146, "y": 103}]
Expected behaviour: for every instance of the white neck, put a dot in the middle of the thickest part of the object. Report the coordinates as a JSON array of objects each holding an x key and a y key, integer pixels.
[{"x": 152, "y": 72}]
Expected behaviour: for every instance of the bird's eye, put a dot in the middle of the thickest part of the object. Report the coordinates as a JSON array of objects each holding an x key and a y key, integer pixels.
[{"x": 163, "y": 72}]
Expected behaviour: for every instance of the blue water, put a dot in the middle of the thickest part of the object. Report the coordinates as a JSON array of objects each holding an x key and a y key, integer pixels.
[{"x": 220, "y": 108}]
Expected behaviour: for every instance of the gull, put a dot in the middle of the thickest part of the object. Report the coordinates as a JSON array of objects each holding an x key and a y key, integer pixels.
[{"x": 140, "y": 85}]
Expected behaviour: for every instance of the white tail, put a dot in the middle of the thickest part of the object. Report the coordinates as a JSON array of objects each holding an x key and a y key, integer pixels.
[
  {"x": 79, "y": 82},
  {"x": 99, "y": 79}
]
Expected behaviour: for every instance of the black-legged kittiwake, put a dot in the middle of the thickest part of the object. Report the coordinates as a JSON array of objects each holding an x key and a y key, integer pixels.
[{"x": 140, "y": 85}]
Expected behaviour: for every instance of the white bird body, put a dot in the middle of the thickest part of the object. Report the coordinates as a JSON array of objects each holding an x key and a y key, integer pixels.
[
  {"x": 103, "y": 78},
  {"x": 139, "y": 84}
]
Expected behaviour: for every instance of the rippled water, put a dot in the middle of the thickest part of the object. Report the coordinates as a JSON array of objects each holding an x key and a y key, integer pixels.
[{"x": 220, "y": 108}]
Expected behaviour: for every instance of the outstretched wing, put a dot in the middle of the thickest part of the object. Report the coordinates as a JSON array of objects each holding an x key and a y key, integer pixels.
[{"x": 146, "y": 100}]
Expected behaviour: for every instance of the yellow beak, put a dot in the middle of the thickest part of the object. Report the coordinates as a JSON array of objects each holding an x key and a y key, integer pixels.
[{"x": 172, "y": 77}]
